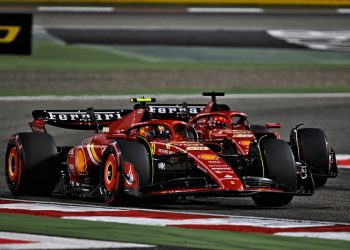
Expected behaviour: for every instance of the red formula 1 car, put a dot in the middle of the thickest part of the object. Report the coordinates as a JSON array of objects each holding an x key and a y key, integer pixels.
[
  {"x": 233, "y": 132},
  {"x": 137, "y": 156}
]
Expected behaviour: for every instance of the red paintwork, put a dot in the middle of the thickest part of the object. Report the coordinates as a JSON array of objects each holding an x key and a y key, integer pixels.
[
  {"x": 83, "y": 160},
  {"x": 93, "y": 147},
  {"x": 238, "y": 135}
]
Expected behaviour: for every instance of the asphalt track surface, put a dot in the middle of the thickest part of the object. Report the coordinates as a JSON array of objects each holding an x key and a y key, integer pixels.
[
  {"x": 330, "y": 203},
  {"x": 194, "y": 21},
  {"x": 273, "y": 29}
]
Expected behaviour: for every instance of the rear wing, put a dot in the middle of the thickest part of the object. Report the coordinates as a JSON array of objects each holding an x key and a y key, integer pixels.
[
  {"x": 84, "y": 120},
  {"x": 79, "y": 119},
  {"x": 174, "y": 111}
]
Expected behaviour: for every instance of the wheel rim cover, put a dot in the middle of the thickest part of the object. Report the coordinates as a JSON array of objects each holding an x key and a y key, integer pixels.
[
  {"x": 13, "y": 165},
  {"x": 109, "y": 175}
]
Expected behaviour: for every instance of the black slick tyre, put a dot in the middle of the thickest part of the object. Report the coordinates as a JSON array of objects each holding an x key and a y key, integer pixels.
[
  {"x": 314, "y": 151},
  {"x": 272, "y": 200},
  {"x": 31, "y": 164},
  {"x": 279, "y": 165}
]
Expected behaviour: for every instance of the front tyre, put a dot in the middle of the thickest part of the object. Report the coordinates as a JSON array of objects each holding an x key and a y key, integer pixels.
[
  {"x": 314, "y": 151},
  {"x": 278, "y": 165},
  {"x": 272, "y": 200}
]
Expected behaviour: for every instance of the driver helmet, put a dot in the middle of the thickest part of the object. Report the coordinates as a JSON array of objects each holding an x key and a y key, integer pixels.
[
  {"x": 146, "y": 131},
  {"x": 161, "y": 132},
  {"x": 218, "y": 122}
]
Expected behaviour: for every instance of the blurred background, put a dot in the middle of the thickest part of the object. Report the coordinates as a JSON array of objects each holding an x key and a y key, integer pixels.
[{"x": 109, "y": 47}]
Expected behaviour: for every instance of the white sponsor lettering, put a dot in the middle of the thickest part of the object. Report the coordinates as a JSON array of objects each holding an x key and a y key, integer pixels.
[{"x": 63, "y": 117}]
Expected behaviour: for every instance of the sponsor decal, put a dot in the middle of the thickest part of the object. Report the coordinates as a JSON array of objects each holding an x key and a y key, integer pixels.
[
  {"x": 131, "y": 182},
  {"x": 129, "y": 177},
  {"x": 242, "y": 134},
  {"x": 208, "y": 157},
  {"x": 244, "y": 143},
  {"x": 213, "y": 166},
  {"x": 197, "y": 148},
  {"x": 11, "y": 33},
  {"x": 161, "y": 165},
  {"x": 80, "y": 161},
  {"x": 221, "y": 168},
  {"x": 82, "y": 116},
  {"x": 15, "y": 33},
  {"x": 227, "y": 177},
  {"x": 215, "y": 162},
  {"x": 193, "y": 110}
]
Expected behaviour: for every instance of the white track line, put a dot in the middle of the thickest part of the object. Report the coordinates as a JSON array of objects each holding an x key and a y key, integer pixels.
[
  {"x": 321, "y": 235},
  {"x": 53, "y": 242},
  {"x": 224, "y": 10},
  {"x": 165, "y": 97},
  {"x": 74, "y": 9},
  {"x": 35, "y": 205},
  {"x": 343, "y": 11}
]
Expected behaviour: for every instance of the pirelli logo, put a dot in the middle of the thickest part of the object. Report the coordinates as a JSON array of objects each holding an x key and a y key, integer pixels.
[{"x": 15, "y": 33}]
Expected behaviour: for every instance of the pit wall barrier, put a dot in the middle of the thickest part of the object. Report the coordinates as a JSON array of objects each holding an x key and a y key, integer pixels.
[{"x": 193, "y": 2}]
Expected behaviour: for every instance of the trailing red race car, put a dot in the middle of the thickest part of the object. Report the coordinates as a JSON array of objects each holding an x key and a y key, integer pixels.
[{"x": 138, "y": 156}]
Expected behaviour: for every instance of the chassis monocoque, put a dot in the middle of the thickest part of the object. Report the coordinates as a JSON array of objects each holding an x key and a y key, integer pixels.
[{"x": 135, "y": 155}]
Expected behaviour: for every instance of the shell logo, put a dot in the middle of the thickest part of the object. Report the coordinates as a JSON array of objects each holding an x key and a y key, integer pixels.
[
  {"x": 208, "y": 157},
  {"x": 80, "y": 162},
  {"x": 244, "y": 143}
]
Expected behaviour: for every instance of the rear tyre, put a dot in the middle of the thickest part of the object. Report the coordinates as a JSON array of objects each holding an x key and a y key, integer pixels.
[
  {"x": 258, "y": 129},
  {"x": 314, "y": 151},
  {"x": 279, "y": 165},
  {"x": 31, "y": 164},
  {"x": 111, "y": 177}
]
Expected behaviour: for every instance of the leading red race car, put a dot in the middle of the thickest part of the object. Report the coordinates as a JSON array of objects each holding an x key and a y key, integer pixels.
[{"x": 138, "y": 156}]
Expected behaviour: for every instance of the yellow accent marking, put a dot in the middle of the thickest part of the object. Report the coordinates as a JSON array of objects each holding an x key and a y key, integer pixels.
[
  {"x": 261, "y": 159},
  {"x": 94, "y": 153},
  {"x": 12, "y": 32},
  {"x": 142, "y": 100},
  {"x": 153, "y": 149}
]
